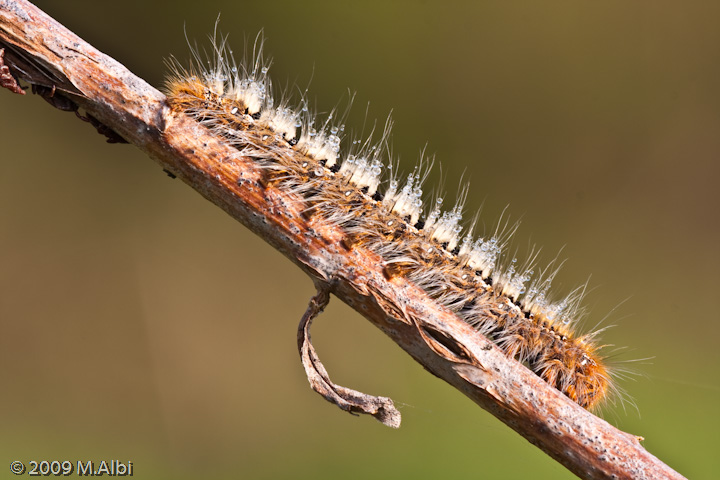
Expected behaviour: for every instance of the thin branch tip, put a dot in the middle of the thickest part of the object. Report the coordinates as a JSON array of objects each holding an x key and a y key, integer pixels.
[{"x": 347, "y": 399}]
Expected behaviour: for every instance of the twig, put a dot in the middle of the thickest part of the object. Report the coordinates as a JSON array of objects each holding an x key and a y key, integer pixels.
[
  {"x": 347, "y": 399},
  {"x": 71, "y": 74}
]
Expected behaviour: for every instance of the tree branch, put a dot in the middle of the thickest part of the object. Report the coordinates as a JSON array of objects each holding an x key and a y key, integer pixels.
[{"x": 71, "y": 74}]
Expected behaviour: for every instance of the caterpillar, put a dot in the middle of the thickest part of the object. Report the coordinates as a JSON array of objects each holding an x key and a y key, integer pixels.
[{"x": 474, "y": 277}]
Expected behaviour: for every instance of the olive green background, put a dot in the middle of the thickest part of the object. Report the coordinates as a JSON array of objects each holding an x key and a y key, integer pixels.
[{"x": 139, "y": 322}]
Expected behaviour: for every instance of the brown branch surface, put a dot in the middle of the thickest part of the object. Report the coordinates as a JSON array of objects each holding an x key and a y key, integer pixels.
[{"x": 69, "y": 73}]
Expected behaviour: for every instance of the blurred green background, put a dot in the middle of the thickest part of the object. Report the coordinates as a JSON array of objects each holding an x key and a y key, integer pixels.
[{"x": 139, "y": 322}]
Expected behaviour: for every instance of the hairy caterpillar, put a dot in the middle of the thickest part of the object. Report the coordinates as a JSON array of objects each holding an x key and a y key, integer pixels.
[{"x": 473, "y": 277}]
